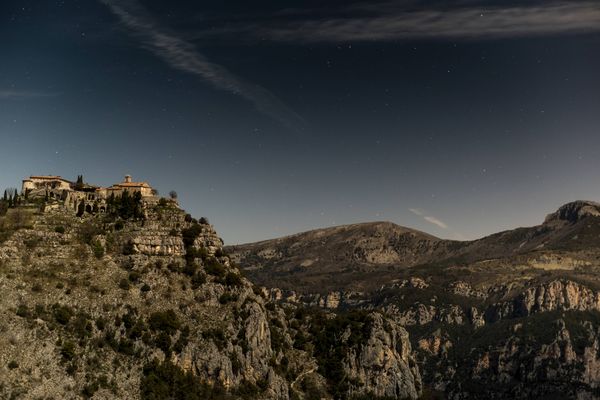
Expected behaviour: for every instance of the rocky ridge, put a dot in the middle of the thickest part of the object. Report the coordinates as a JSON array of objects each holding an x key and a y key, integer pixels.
[
  {"x": 99, "y": 307},
  {"x": 512, "y": 315}
]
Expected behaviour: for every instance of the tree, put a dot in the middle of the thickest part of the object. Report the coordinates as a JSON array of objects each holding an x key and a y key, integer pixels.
[
  {"x": 173, "y": 195},
  {"x": 79, "y": 183},
  {"x": 81, "y": 208}
]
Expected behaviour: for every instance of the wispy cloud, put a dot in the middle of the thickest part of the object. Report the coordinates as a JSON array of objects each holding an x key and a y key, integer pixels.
[
  {"x": 394, "y": 21},
  {"x": 429, "y": 218},
  {"x": 182, "y": 55},
  {"x": 435, "y": 221},
  {"x": 10, "y": 94}
]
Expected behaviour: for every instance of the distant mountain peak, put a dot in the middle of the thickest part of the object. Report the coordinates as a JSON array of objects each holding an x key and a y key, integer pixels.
[{"x": 574, "y": 211}]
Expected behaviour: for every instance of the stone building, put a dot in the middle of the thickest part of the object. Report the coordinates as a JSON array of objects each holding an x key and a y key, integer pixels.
[
  {"x": 128, "y": 186},
  {"x": 73, "y": 194},
  {"x": 45, "y": 182}
]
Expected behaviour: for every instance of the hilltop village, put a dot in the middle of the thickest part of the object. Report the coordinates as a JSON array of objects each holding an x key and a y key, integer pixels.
[{"x": 81, "y": 197}]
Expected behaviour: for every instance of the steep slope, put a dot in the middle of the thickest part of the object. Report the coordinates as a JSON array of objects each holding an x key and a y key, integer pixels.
[
  {"x": 100, "y": 307},
  {"x": 338, "y": 257}
]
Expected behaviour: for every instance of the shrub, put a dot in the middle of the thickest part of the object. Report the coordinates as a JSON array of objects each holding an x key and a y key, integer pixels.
[
  {"x": 124, "y": 284},
  {"x": 163, "y": 342},
  {"x": 168, "y": 381},
  {"x": 97, "y": 249},
  {"x": 134, "y": 276},
  {"x": 82, "y": 327},
  {"x": 220, "y": 253},
  {"x": 128, "y": 248},
  {"x": 203, "y": 221},
  {"x": 233, "y": 279},
  {"x": 213, "y": 267},
  {"x": 32, "y": 243},
  {"x": 37, "y": 288},
  {"x": 62, "y": 314},
  {"x": 216, "y": 335},
  {"x": 145, "y": 288},
  {"x": 227, "y": 297},
  {"x": 89, "y": 390},
  {"x": 198, "y": 280},
  {"x": 100, "y": 323},
  {"x": 60, "y": 229},
  {"x": 126, "y": 347},
  {"x": 88, "y": 231},
  {"x": 13, "y": 365},
  {"x": 164, "y": 321},
  {"x": 68, "y": 350}
]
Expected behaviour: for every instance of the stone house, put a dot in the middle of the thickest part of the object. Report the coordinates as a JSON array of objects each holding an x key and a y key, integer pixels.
[
  {"x": 45, "y": 182},
  {"x": 93, "y": 197}
]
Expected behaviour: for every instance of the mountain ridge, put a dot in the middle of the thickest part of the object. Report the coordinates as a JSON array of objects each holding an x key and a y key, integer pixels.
[{"x": 347, "y": 249}]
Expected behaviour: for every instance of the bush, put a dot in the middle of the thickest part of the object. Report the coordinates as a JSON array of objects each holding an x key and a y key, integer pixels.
[
  {"x": 126, "y": 347},
  {"x": 233, "y": 279},
  {"x": 119, "y": 225},
  {"x": 98, "y": 250},
  {"x": 124, "y": 284},
  {"x": 227, "y": 297},
  {"x": 163, "y": 342},
  {"x": 100, "y": 323},
  {"x": 88, "y": 231},
  {"x": 62, "y": 314},
  {"x": 60, "y": 229},
  {"x": 145, "y": 288},
  {"x": 128, "y": 248},
  {"x": 213, "y": 267},
  {"x": 164, "y": 321},
  {"x": 134, "y": 276},
  {"x": 198, "y": 280},
  {"x": 37, "y": 288},
  {"x": 68, "y": 350},
  {"x": 217, "y": 336},
  {"x": 82, "y": 327},
  {"x": 13, "y": 365},
  {"x": 168, "y": 381}
]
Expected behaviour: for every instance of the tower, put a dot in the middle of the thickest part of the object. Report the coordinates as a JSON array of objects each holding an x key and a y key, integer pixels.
[{"x": 127, "y": 179}]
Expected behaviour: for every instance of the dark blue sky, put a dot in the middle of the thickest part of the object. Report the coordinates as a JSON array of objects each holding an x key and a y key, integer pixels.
[{"x": 282, "y": 116}]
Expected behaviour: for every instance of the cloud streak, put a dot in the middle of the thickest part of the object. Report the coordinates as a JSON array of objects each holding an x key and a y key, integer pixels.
[
  {"x": 23, "y": 94},
  {"x": 429, "y": 218},
  {"x": 183, "y": 56},
  {"x": 388, "y": 21}
]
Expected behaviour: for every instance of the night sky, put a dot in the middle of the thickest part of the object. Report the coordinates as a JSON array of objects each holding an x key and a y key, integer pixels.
[{"x": 275, "y": 117}]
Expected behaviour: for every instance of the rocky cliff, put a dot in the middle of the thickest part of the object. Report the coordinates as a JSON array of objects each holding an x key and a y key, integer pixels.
[
  {"x": 100, "y": 307},
  {"x": 512, "y": 315}
]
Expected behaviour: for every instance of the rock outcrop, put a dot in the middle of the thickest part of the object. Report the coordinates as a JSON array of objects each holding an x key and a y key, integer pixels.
[{"x": 384, "y": 365}]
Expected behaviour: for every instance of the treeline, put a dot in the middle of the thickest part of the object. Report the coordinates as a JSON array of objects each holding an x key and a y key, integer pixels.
[
  {"x": 10, "y": 199},
  {"x": 125, "y": 206}
]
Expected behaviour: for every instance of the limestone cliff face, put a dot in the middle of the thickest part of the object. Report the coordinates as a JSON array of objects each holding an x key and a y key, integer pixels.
[
  {"x": 384, "y": 365},
  {"x": 89, "y": 304},
  {"x": 563, "y": 367},
  {"x": 551, "y": 296}
]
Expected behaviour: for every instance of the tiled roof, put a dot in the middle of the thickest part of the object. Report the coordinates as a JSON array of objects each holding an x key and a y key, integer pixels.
[
  {"x": 130, "y": 184},
  {"x": 48, "y": 177}
]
